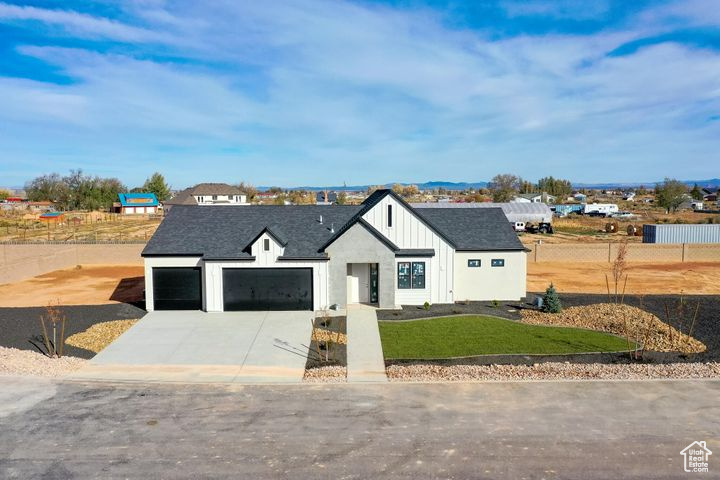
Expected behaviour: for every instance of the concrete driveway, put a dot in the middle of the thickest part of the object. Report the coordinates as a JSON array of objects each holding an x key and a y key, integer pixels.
[{"x": 189, "y": 347}]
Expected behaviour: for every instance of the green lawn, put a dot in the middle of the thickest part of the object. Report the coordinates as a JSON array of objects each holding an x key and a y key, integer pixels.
[{"x": 480, "y": 335}]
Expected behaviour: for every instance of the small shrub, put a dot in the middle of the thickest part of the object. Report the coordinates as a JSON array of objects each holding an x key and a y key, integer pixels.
[
  {"x": 54, "y": 318},
  {"x": 551, "y": 301},
  {"x": 495, "y": 304},
  {"x": 426, "y": 306}
]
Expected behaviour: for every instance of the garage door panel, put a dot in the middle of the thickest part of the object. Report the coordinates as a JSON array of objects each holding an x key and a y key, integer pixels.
[
  {"x": 177, "y": 288},
  {"x": 267, "y": 289}
]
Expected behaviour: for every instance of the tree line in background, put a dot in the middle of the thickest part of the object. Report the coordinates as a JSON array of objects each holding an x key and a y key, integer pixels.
[
  {"x": 78, "y": 191},
  {"x": 505, "y": 186}
]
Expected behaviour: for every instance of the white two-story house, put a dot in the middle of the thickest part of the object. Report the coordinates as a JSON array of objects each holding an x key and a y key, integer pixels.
[{"x": 208, "y": 194}]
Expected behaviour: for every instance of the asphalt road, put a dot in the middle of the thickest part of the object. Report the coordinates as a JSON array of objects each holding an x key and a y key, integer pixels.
[{"x": 483, "y": 430}]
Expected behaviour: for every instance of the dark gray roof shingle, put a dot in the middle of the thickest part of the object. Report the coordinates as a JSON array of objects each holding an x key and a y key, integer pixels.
[
  {"x": 227, "y": 232},
  {"x": 473, "y": 228}
]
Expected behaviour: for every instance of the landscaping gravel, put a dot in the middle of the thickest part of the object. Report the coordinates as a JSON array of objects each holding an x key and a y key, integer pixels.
[
  {"x": 24, "y": 362},
  {"x": 623, "y": 320},
  {"x": 707, "y": 327},
  {"x": 329, "y": 374},
  {"x": 100, "y": 335},
  {"x": 20, "y": 327},
  {"x": 551, "y": 371}
]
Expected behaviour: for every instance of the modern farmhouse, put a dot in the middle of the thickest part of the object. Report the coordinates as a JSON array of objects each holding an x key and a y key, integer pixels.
[{"x": 306, "y": 257}]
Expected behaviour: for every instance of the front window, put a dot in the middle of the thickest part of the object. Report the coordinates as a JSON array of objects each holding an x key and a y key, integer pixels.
[
  {"x": 389, "y": 216},
  {"x": 497, "y": 262},
  {"x": 473, "y": 263},
  {"x": 411, "y": 275},
  {"x": 266, "y": 244}
]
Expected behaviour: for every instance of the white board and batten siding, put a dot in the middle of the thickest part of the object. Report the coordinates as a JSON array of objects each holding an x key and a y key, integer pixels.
[
  {"x": 151, "y": 262},
  {"x": 415, "y": 296},
  {"x": 212, "y": 278},
  {"x": 264, "y": 259},
  {"x": 407, "y": 231}
]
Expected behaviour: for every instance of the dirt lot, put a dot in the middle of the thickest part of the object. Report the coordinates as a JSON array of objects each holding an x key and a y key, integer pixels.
[
  {"x": 89, "y": 285},
  {"x": 77, "y": 226},
  {"x": 644, "y": 278}
]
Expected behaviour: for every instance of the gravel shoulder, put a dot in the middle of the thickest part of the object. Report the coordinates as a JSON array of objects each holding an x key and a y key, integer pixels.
[
  {"x": 25, "y": 362},
  {"x": 551, "y": 371}
]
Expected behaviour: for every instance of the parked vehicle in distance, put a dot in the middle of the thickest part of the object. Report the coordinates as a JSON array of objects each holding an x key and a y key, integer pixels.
[
  {"x": 600, "y": 208},
  {"x": 623, "y": 215},
  {"x": 542, "y": 227},
  {"x": 518, "y": 226},
  {"x": 597, "y": 214}
]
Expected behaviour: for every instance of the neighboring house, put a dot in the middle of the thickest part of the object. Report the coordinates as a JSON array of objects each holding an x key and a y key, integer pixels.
[
  {"x": 629, "y": 196},
  {"x": 208, "y": 194},
  {"x": 710, "y": 197},
  {"x": 514, "y": 211},
  {"x": 136, "y": 203},
  {"x": 326, "y": 197},
  {"x": 580, "y": 197},
  {"x": 310, "y": 257},
  {"x": 534, "y": 198}
]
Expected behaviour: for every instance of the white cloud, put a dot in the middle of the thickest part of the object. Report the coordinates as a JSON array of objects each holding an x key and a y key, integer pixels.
[
  {"x": 78, "y": 23},
  {"x": 308, "y": 86}
]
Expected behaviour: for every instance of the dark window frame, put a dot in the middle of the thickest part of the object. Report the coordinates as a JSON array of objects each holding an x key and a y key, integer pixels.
[
  {"x": 409, "y": 276},
  {"x": 497, "y": 262},
  {"x": 389, "y": 216},
  {"x": 266, "y": 244},
  {"x": 413, "y": 276},
  {"x": 408, "y": 281},
  {"x": 470, "y": 260}
]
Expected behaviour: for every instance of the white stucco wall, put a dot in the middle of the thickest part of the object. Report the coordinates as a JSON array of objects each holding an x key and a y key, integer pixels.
[
  {"x": 407, "y": 231},
  {"x": 487, "y": 282}
]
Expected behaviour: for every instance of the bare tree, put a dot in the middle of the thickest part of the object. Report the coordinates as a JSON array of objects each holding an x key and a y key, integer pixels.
[{"x": 504, "y": 187}]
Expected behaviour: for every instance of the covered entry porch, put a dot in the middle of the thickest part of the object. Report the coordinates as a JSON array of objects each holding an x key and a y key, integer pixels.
[{"x": 362, "y": 283}]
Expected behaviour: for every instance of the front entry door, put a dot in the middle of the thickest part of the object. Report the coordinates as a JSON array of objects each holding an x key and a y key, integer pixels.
[{"x": 373, "y": 283}]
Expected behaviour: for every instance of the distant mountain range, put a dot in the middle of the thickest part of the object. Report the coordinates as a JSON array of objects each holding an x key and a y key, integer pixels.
[{"x": 710, "y": 183}]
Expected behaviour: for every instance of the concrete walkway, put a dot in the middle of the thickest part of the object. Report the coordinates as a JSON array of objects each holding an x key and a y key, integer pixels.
[
  {"x": 200, "y": 347},
  {"x": 365, "y": 362}
]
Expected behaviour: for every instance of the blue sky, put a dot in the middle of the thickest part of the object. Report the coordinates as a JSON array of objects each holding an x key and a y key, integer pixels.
[{"x": 313, "y": 92}]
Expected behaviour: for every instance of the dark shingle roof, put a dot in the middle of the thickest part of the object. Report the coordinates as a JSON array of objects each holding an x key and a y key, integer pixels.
[
  {"x": 226, "y": 232},
  {"x": 474, "y": 228},
  {"x": 185, "y": 197}
]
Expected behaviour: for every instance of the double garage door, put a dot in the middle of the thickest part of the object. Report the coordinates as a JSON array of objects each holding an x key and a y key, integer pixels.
[{"x": 243, "y": 288}]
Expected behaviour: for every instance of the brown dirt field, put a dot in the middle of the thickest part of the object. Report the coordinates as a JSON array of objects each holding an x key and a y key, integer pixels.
[
  {"x": 89, "y": 285},
  {"x": 702, "y": 278}
]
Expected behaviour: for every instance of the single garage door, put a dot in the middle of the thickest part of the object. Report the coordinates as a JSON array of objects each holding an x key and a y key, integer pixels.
[
  {"x": 267, "y": 289},
  {"x": 177, "y": 288}
]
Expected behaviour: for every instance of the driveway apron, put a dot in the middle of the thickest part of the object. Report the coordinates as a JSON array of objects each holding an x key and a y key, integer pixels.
[{"x": 191, "y": 346}]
